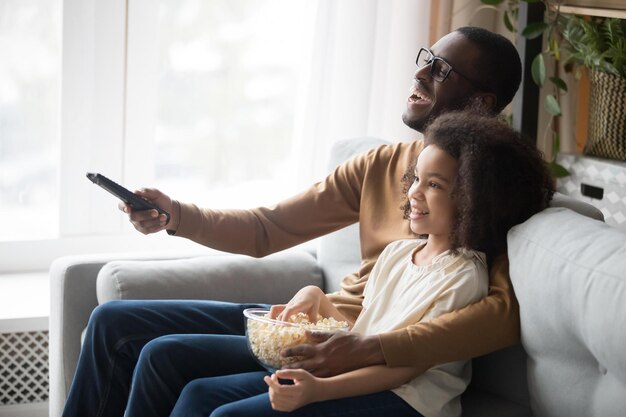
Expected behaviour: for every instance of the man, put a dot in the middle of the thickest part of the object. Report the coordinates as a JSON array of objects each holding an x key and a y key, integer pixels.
[{"x": 152, "y": 349}]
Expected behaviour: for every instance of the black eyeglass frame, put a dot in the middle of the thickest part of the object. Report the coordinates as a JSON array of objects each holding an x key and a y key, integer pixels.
[{"x": 432, "y": 58}]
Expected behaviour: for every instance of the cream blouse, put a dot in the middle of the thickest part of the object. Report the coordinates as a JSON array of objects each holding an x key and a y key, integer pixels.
[{"x": 400, "y": 293}]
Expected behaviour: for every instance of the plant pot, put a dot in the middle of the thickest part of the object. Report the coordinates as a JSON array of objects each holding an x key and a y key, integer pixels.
[{"x": 607, "y": 116}]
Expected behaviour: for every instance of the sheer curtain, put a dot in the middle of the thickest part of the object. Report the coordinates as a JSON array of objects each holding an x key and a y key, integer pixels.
[
  {"x": 363, "y": 62},
  {"x": 356, "y": 69}
]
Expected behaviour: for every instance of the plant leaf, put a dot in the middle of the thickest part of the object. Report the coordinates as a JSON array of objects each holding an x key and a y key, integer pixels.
[
  {"x": 554, "y": 48},
  {"x": 508, "y": 23},
  {"x": 557, "y": 170},
  {"x": 534, "y": 30},
  {"x": 561, "y": 85},
  {"x": 491, "y": 2},
  {"x": 552, "y": 105},
  {"x": 538, "y": 70}
]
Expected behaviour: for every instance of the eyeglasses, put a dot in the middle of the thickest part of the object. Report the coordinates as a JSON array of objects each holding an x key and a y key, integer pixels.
[{"x": 439, "y": 68}]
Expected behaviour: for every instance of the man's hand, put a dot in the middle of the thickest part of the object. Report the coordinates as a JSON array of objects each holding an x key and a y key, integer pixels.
[
  {"x": 335, "y": 353},
  {"x": 149, "y": 221}
]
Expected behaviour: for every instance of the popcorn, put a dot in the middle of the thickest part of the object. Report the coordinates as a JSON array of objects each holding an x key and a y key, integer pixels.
[{"x": 267, "y": 337}]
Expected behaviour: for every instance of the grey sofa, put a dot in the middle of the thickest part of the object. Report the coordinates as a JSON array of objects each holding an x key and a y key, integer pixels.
[{"x": 574, "y": 365}]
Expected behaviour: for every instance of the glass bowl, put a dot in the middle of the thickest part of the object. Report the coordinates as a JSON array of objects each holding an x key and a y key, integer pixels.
[{"x": 266, "y": 337}]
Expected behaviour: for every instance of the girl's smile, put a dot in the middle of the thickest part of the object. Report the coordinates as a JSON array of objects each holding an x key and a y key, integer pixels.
[
  {"x": 416, "y": 214},
  {"x": 433, "y": 208}
]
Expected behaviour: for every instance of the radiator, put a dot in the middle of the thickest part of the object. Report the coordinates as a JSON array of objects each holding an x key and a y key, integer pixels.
[{"x": 24, "y": 376}]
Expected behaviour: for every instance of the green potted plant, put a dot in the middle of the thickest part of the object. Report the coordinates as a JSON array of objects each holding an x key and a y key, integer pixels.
[
  {"x": 549, "y": 28},
  {"x": 599, "y": 44}
]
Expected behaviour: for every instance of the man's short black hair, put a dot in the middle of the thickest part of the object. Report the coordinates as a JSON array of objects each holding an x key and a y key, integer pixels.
[{"x": 500, "y": 66}]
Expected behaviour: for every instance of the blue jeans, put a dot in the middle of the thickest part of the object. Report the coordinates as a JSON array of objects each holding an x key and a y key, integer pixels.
[
  {"x": 139, "y": 355},
  {"x": 245, "y": 395}
]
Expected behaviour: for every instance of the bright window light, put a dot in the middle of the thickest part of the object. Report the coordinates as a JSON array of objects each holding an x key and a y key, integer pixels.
[
  {"x": 228, "y": 74},
  {"x": 30, "y": 51}
]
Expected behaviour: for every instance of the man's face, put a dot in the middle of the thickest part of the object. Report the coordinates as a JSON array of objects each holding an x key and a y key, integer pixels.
[{"x": 429, "y": 98}]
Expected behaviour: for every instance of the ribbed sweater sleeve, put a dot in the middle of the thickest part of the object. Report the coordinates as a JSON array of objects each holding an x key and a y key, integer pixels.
[{"x": 325, "y": 207}]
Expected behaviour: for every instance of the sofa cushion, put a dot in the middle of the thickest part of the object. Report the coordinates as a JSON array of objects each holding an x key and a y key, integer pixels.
[
  {"x": 225, "y": 277},
  {"x": 569, "y": 275}
]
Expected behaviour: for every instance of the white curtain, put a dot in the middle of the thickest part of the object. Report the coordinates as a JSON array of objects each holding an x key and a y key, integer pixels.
[{"x": 360, "y": 73}]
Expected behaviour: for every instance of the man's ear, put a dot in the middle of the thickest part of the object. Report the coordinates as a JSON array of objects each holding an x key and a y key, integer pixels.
[{"x": 486, "y": 101}]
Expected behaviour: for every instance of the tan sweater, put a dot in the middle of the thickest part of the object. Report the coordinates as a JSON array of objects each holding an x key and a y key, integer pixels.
[{"x": 367, "y": 189}]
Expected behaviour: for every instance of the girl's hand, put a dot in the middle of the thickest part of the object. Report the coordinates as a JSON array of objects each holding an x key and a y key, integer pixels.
[
  {"x": 149, "y": 221},
  {"x": 305, "y": 389},
  {"x": 307, "y": 300}
]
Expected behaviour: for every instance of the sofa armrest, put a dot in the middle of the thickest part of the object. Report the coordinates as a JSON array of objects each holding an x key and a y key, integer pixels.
[
  {"x": 80, "y": 283},
  {"x": 72, "y": 299},
  {"x": 237, "y": 278}
]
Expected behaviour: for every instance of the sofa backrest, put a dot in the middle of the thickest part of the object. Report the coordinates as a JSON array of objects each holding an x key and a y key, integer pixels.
[
  {"x": 504, "y": 373},
  {"x": 569, "y": 275}
]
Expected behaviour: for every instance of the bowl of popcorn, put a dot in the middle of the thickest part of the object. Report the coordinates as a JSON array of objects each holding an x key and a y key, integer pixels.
[{"x": 267, "y": 337}]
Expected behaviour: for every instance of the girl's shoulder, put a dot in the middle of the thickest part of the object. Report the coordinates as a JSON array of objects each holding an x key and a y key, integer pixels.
[
  {"x": 462, "y": 260},
  {"x": 403, "y": 245}
]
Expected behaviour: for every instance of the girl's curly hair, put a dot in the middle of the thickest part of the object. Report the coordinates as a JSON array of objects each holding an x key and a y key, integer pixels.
[{"x": 502, "y": 179}]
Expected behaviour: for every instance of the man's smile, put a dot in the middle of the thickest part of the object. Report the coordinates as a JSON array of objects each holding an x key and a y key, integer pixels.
[{"x": 418, "y": 95}]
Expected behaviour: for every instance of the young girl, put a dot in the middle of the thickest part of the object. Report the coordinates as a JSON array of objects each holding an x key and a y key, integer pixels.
[{"x": 474, "y": 179}]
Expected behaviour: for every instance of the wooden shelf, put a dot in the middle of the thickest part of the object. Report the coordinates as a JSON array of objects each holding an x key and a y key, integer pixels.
[{"x": 594, "y": 11}]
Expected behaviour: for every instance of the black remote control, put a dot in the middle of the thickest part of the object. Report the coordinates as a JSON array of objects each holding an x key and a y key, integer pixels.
[{"x": 133, "y": 200}]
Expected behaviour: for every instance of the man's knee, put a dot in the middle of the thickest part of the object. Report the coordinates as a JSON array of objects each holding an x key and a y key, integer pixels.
[
  {"x": 108, "y": 316},
  {"x": 115, "y": 323},
  {"x": 110, "y": 310}
]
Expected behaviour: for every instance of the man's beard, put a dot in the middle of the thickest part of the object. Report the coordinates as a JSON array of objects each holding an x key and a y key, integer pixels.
[
  {"x": 472, "y": 104},
  {"x": 419, "y": 125}
]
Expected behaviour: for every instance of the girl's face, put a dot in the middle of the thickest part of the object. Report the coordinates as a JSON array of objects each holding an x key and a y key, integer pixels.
[{"x": 432, "y": 206}]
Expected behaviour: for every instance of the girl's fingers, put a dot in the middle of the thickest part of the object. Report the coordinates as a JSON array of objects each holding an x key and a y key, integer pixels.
[
  {"x": 268, "y": 381},
  {"x": 280, "y": 395},
  {"x": 293, "y": 374},
  {"x": 276, "y": 310}
]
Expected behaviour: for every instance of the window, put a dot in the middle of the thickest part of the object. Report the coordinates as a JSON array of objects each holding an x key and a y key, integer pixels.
[
  {"x": 221, "y": 103},
  {"x": 195, "y": 97},
  {"x": 226, "y": 94},
  {"x": 30, "y": 76}
]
